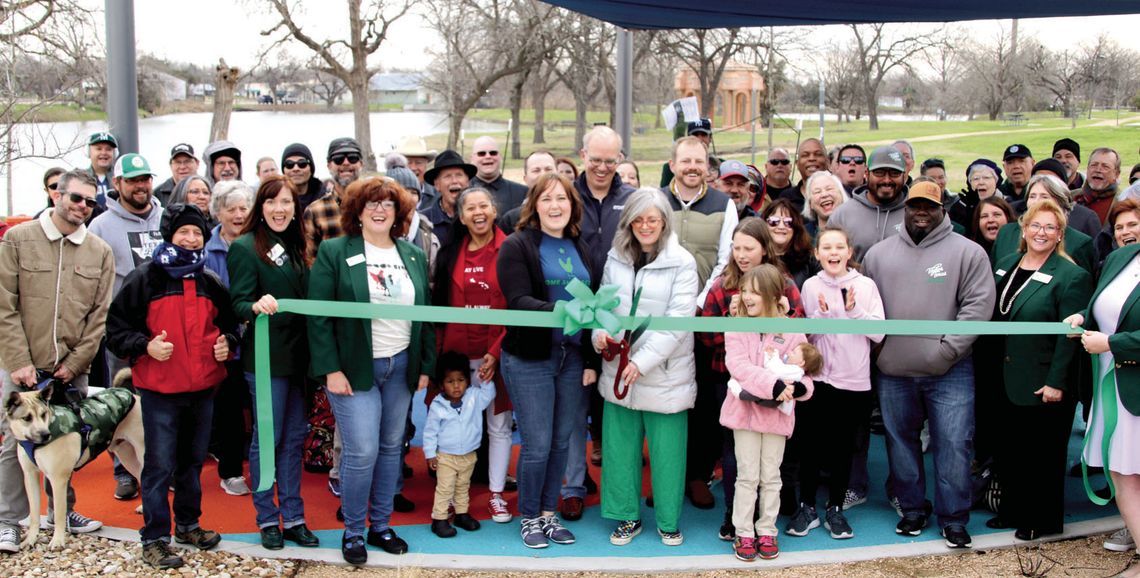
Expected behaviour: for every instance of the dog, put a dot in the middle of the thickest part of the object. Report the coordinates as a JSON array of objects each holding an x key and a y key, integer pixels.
[{"x": 47, "y": 445}]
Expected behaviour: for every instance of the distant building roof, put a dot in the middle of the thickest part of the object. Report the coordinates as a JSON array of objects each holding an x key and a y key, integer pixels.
[{"x": 395, "y": 82}]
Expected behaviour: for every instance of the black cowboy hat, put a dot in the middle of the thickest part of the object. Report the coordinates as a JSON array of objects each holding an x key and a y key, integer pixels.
[{"x": 445, "y": 159}]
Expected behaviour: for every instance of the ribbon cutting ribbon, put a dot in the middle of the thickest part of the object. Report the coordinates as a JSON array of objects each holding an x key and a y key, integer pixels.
[{"x": 590, "y": 313}]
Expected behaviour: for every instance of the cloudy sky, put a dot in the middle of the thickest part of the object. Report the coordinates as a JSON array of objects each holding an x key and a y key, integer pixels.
[{"x": 224, "y": 28}]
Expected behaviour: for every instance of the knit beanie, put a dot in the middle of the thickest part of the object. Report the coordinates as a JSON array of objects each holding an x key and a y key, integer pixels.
[
  {"x": 178, "y": 215},
  {"x": 298, "y": 149}
]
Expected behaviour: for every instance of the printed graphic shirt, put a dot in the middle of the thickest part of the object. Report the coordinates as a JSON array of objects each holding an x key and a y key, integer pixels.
[
  {"x": 560, "y": 265},
  {"x": 388, "y": 283}
]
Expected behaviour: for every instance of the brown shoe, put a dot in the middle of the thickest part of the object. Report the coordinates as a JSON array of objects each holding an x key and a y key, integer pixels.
[
  {"x": 700, "y": 495},
  {"x": 572, "y": 509}
]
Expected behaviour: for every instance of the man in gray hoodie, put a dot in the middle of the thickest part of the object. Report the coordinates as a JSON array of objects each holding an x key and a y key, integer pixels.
[
  {"x": 876, "y": 212},
  {"x": 929, "y": 272}
]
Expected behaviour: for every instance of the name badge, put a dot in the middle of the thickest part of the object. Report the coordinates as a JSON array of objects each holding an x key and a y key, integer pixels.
[
  {"x": 1000, "y": 272},
  {"x": 354, "y": 260},
  {"x": 1042, "y": 277},
  {"x": 276, "y": 254}
]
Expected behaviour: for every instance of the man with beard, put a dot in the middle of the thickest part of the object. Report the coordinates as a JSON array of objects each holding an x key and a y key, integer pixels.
[
  {"x": 56, "y": 281},
  {"x": 322, "y": 216},
  {"x": 876, "y": 212},
  {"x": 778, "y": 180},
  {"x": 1018, "y": 163},
  {"x": 1068, "y": 151},
  {"x": 701, "y": 129},
  {"x": 488, "y": 161},
  {"x": 419, "y": 159},
  {"x": 223, "y": 162},
  {"x": 298, "y": 166},
  {"x": 1100, "y": 185},
  {"x": 450, "y": 175},
  {"x": 928, "y": 272},
  {"x": 735, "y": 183},
  {"x": 851, "y": 167},
  {"x": 101, "y": 148},
  {"x": 810, "y": 157},
  {"x": 183, "y": 164}
]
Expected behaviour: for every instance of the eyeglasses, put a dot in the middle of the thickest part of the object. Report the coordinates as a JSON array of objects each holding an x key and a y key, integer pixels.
[
  {"x": 339, "y": 159},
  {"x": 53, "y": 186},
  {"x": 1038, "y": 227},
  {"x": 491, "y": 153},
  {"x": 651, "y": 221},
  {"x": 892, "y": 173},
  {"x": 386, "y": 205},
  {"x": 77, "y": 198},
  {"x": 779, "y": 162},
  {"x": 299, "y": 163},
  {"x": 777, "y": 221},
  {"x": 852, "y": 160},
  {"x": 980, "y": 178},
  {"x": 608, "y": 162}
]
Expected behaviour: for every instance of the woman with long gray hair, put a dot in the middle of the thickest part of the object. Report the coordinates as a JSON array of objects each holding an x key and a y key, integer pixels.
[{"x": 649, "y": 391}]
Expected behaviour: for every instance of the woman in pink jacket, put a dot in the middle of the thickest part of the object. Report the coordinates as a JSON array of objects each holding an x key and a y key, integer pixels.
[
  {"x": 842, "y": 399},
  {"x": 759, "y": 429}
]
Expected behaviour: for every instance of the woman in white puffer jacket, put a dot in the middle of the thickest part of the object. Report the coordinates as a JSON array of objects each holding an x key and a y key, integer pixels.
[{"x": 660, "y": 375}]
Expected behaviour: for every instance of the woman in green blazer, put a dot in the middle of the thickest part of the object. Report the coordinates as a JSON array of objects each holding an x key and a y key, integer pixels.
[
  {"x": 265, "y": 263},
  {"x": 1041, "y": 188},
  {"x": 1039, "y": 283},
  {"x": 371, "y": 367},
  {"x": 1113, "y": 335}
]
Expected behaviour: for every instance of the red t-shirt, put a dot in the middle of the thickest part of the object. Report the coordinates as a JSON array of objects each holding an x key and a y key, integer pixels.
[{"x": 475, "y": 283}]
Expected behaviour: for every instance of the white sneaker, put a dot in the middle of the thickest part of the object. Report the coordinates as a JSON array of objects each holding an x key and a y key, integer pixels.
[
  {"x": 1120, "y": 541},
  {"x": 76, "y": 523},
  {"x": 9, "y": 539},
  {"x": 499, "y": 509},
  {"x": 235, "y": 486}
]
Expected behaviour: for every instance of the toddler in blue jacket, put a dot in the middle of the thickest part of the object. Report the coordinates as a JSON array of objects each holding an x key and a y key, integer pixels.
[{"x": 451, "y": 436}]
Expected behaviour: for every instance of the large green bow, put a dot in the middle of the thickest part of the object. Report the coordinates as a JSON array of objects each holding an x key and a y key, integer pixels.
[{"x": 588, "y": 307}]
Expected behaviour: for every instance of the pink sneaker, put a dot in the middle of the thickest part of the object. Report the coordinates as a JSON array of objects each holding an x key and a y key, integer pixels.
[
  {"x": 768, "y": 547},
  {"x": 745, "y": 548},
  {"x": 497, "y": 506}
]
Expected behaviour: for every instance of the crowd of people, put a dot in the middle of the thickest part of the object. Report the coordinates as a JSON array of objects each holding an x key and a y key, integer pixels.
[{"x": 165, "y": 280}]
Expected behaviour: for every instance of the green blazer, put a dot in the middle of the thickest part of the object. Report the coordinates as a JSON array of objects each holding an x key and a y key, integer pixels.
[
  {"x": 1125, "y": 343},
  {"x": 250, "y": 278},
  {"x": 1077, "y": 244},
  {"x": 340, "y": 344},
  {"x": 1032, "y": 361}
]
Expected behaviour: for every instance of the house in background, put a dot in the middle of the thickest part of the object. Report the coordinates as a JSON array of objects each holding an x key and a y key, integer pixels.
[{"x": 399, "y": 88}]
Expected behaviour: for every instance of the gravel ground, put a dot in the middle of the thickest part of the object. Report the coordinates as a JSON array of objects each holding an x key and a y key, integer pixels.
[{"x": 93, "y": 556}]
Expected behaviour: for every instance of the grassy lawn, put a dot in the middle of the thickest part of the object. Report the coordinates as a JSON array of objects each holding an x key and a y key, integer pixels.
[
  {"x": 948, "y": 140},
  {"x": 62, "y": 113}
]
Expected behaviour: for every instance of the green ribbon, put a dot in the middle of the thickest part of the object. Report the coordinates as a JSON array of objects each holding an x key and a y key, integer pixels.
[
  {"x": 593, "y": 311},
  {"x": 1104, "y": 400}
]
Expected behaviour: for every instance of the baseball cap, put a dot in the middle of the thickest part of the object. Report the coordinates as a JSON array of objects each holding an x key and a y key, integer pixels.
[
  {"x": 132, "y": 165},
  {"x": 702, "y": 125},
  {"x": 344, "y": 145},
  {"x": 925, "y": 190},
  {"x": 103, "y": 136},
  {"x": 182, "y": 149},
  {"x": 734, "y": 168},
  {"x": 1017, "y": 151},
  {"x": 887, "y": 158}
]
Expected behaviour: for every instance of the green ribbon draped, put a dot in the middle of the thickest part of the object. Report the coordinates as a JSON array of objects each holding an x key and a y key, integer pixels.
[
  {"x": 592, "y": 311},
  {"x": 1104, "y": 403}
]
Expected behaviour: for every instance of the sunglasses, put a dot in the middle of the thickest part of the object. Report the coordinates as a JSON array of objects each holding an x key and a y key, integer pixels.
[
  {"x": 777, "y": 221},
  {"x": 77, "y": 198},
  {"x": 339, "y": 159},
  {"x": 301, "y": 163},
  {"x": 780, "y": 162},
  {"x": 487, "y": 154},
  {"x": 852, "y": 160},
  {"x": 54, "y": 186}
]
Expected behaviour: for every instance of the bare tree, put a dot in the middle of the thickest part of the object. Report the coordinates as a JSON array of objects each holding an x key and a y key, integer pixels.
[
  {"x": 654, "y": 72},
  {"x": 587, "y": 59},
  {"x": 842, "y": 89},
  {"x": 542, "y": 81},
  {"x": 225, "y": 81},
  {"x": 347, "y": 58},
  {"x": 948, "y": 61},
  {"x": 707, "y": 53},
  {"x": 483, "y": 41},
  {"x": 283, "y": 70},
  {"x": 327, "y": 87},
  {"x": 995, "y": 73},
  {"x": 877, "y": 53},
  {"x": 1059, "y": 73}
]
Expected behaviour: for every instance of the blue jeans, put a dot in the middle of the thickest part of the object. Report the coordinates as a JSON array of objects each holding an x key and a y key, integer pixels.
[
  {"x": 177, "y": 431},
  {"x": 947, "y": 401},
  {"x": 547, "y": 395},
  {"x": 370, "y": 458},
  {"x": 575, "y": 486},
  {"x": 289, "y": 428}
]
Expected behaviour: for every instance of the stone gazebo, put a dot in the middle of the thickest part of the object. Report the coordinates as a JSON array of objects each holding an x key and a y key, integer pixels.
[{"x": 739, "y": 84}]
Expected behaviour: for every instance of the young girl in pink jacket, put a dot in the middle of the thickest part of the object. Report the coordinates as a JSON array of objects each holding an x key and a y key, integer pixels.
[
  {"x": 758, "y": 430},
  {"x": 842, "y": 399}
]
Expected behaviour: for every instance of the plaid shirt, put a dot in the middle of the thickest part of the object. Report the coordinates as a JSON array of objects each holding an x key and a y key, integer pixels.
[
  {"x": 322, "y": 221},
  {"x": 717, "y": 304}
]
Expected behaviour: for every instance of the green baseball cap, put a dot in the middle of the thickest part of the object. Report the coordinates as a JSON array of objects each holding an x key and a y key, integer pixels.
[
  {"x": 103, "y": 137},
  {"x": 132, "y": 165}
]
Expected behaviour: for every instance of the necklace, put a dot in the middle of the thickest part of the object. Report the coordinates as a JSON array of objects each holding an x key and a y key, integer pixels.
[{"x": 1005, "y": 306}]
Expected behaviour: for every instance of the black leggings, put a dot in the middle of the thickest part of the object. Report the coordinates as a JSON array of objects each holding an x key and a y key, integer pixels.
[{"x": 825, "y": 427}]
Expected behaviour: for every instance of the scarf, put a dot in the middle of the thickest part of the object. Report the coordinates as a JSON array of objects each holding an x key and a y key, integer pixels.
[{"x": 178, "y": 262}]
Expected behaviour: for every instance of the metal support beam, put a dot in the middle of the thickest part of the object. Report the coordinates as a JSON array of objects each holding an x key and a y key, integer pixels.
[
  {"x": 122, "y": 79},
  {"x": 624, "y": 104}
]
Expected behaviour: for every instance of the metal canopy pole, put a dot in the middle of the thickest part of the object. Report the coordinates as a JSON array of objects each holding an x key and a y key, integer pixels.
[
  {"x": 122, "y": 80},
  {"x": 624, "y": 104}
]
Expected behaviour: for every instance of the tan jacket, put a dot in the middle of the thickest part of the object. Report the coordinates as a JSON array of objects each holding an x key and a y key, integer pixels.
[{"x": 42, "y": 271}]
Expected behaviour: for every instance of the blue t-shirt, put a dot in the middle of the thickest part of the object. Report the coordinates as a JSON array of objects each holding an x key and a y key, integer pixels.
[{"x": 560, "y": 264}]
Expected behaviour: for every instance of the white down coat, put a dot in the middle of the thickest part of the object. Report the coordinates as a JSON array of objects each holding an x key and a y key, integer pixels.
[{"x": 665, "y": 358}]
